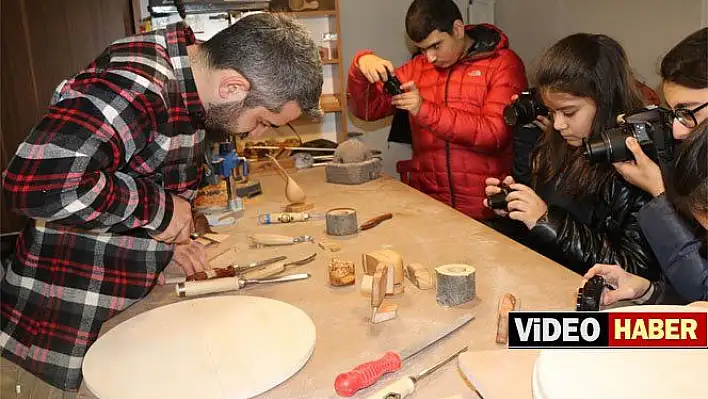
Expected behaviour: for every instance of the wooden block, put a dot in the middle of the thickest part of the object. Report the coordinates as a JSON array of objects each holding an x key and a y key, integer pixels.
[
  {"x": 341, "y": 272},
  {"x": 216, "y": 237},
  {"x": 224, "y": 260},
  {"x": 330, "y": 246},
  {"x": 386, "y": 312},
  {"x": 393, "y": 260},
  {"x": 367, "y": 283},
  {"x": 507, "y": 303},
  {"x": 420, "y": 276},
  {"x": 266, "y": 271},
  {"x": 204, "y": 241}
]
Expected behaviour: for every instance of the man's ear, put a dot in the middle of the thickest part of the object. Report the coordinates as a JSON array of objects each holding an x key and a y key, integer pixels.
[
  {"x": 458, "y": 29},
  {"x": 233, "y": 87}
]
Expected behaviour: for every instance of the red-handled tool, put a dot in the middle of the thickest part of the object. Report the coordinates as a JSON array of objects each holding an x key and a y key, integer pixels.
[{"x": 366, "y": 374}]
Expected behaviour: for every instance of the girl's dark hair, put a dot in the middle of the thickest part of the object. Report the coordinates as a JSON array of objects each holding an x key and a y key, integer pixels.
[
  {"x": 690, "y": 175},
  {"x": 595, "y": 67},
  {"x": 687, "y": 63}
]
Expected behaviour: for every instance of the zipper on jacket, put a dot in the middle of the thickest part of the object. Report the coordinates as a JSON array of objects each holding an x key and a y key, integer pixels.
[{"x": 447, "y": 150}]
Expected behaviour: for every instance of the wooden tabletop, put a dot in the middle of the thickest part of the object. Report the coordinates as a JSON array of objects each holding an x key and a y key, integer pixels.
[{"x": 422, "y": 230}]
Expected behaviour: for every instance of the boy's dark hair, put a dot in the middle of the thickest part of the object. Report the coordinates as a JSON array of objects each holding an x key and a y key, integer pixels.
[
  {"x": 425, "y": 16},
  {"x": 687, "y": 63}
]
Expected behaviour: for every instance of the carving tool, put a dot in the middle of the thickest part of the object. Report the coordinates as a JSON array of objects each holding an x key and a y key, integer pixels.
[
  {"x": 406, "y": 385},
  {"x": 274, "y": 239},
  {"x": 276, "y": 268},
  {"x": 375, "y": 221},
  {"x": 288, "y": 217},
  {"x": 233, "y": 270},
  {"x": 193, "y": 288},
  {"x": 366, "y": 374}
]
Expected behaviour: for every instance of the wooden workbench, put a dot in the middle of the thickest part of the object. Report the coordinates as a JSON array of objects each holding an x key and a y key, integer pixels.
[{"x": 422, "y": 230}]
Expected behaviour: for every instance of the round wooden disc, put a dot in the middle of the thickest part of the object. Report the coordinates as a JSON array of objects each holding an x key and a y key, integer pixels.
[
  {"x": 622, "y": 373},
  {"x": 302, "y": 207},
  {"x": 211, "y": 348}
]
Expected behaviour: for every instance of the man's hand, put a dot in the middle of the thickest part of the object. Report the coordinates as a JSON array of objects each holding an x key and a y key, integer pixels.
[
  {"x": 410, "y": 100},
  {"x": 525, "y": 205},
  {"x": 191, "y": 257},
  {"x": 642, "y": 172},
  {"x": 627, "y": 285},
  {"x": 181, "y": 226},
  {"x": 493, "y": 188},
  {"x": 375, "y": 68}
]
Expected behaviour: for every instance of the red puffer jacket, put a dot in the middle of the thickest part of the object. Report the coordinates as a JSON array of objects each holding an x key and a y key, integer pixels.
[{"x": 459, "y": 134}]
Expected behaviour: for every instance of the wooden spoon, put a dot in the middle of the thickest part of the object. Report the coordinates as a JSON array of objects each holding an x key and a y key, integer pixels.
[{"x": 293, "y": 192}]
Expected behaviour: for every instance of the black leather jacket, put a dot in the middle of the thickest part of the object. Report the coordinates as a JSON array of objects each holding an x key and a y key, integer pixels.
[{"x": 580, "y": 232}]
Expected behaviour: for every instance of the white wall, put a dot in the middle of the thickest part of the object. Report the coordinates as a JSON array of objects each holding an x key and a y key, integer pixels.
[{"x": 647, "y": 29}]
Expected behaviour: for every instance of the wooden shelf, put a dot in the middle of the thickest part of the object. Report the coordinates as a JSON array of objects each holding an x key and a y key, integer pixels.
[
  {"x": 330, "y": 103},
  {"x": 311, "y": 13},
  {"x": 326, "y": 61}
]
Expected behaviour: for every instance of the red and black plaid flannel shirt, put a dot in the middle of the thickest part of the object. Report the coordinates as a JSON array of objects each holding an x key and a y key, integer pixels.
[{"x": 94, "y": 176}]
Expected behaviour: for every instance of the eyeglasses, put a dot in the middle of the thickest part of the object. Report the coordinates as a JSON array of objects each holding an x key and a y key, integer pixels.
[{"x": 687, "y": 117}]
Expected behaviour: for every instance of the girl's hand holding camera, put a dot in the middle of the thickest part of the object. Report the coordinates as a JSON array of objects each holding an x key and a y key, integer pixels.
[
  {"x": 493, "y": 188},
  {"x": 642, "y": 172},
  {"x": 523, "y": 204}
]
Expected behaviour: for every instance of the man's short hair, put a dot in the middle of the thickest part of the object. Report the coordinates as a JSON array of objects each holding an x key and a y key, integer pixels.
[
  {"x": 278, "y": 57},
  {"x": 425, "y": 16}
]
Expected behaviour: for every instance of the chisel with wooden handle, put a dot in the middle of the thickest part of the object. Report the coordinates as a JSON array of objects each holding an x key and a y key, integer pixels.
[
  {"x": 375, "y": 221},
  {"x": 193, "y": 288},
  {"x": 366, "y": 374},
  {"x": 275, "y": 239},
  {"x": 405, "y": 386}
]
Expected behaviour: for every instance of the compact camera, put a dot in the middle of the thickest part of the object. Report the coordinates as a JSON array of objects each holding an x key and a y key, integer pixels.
[
  {"x": 651, "y": 126},
  {"x": 589, "y": 295},
  {"x": 498, "y": 200},
  {"x": 525, "y": 109},
  {"x": 392, "y": 85}
]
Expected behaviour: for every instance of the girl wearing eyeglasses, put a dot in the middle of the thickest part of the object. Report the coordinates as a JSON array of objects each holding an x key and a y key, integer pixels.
[
  {"x": 679, "y": 246},
  {"x": 675, "y": 243}
]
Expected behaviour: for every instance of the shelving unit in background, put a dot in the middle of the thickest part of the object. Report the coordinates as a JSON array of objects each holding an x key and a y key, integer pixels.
[{"x": 333, "y": 126}]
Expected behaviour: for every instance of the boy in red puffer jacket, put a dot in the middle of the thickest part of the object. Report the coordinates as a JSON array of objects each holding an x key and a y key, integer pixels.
[{"x": 455, "y": 92}]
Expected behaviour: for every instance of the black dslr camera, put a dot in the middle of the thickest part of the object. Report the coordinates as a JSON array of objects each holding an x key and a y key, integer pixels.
[
  {"x": 498, "y": 200},
  {"x": 651, "y": 126},
  {"x": 392, "y": 85},
  {"x": 589, "y": 295},
  {"x": 525, "y": 109}
]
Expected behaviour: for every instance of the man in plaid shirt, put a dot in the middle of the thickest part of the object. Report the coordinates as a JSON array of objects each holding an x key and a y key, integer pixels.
[{"x": 107, "y": 176}]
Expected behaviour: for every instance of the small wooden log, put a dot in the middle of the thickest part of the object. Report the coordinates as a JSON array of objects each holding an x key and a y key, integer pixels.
[
  {"x": 341, "y": 222},
  {"x": 456, "y": 284},
  {"x": 507, "y": 303}
]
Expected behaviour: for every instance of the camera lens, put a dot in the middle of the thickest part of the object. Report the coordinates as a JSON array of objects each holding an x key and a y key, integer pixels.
[
  {"x": 610, "y": 147},
  {"x": 510, "y": 115}
]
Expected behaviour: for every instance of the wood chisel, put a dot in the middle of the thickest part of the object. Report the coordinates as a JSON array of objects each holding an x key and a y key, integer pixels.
[
  {"x": 233, "y": 270},
  {"x": 405, "y": 386},
  {"x": 366, "y": 374},
  {"x": 193, "y": 288},
  {"x": 276, "y": 268},
  {"x": 288, "y": 217},
  {"x": 375, "y": 221},
  {"x": 274, "y": 239}
]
